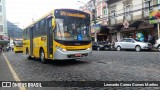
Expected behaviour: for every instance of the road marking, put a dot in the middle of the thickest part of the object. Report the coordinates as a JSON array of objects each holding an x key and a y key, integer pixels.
[{"x": 16, "y": 78}]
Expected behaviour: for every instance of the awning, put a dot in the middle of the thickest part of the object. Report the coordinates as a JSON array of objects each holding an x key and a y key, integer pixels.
[
  {"x": 128, "y": 29},
  {"x": 116, "y": 27},
  {"x": 119, "y": 27},
  {"x": 104, "y": 30},
  {"x": 145, "y": 25},
  {"x": 136, "y": 23}
]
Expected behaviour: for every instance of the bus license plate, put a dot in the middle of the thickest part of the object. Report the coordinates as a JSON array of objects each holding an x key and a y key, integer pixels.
[{"x": 78, "y": 55}]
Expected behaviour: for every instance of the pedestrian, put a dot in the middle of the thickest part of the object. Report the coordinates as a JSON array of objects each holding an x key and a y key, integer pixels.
[
  {"x": 153, "y": 41},
  {"x": 149, "y": 38},
  {"x": 1, "y": 48}
]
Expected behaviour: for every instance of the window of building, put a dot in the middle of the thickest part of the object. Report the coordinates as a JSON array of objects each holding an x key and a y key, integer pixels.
[
  {"x": 1, "y": 28},
  {"x": 158, "y": 2},
  {"x": 104, "y": 11},
  {"x": 0, "y": 8},
  {"x": 147, "y": 3},
  {"x": 113, "y": 13},
  {"x": 127, "y": 10},
  {"x": 146, "y": 7},
  {"x": 1, "y": 19}
]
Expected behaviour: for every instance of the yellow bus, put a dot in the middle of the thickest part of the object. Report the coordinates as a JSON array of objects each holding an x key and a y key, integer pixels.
[
  {"x": 62, "y": 34},
  {"x": 18, "y": 45}
]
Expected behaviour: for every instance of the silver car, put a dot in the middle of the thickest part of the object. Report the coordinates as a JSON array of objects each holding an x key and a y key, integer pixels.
[
  {"x": 130, "y": 43},
  {"x": 157, "y": 44}
]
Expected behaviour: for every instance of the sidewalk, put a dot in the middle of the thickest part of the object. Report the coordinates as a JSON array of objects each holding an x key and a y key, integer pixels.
[{"x": 5, "y": 73}]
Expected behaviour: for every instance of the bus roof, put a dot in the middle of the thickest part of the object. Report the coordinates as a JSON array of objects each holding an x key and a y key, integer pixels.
[
  {"x": 52, "y": 12},
  {"x": 19, "y": 39}
]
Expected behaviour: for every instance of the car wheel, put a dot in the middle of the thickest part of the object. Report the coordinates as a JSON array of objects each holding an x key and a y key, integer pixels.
[
  {"x": 42, "y": 56},
  {"x": 138, "y": 48},
  {"x": 105, "y": 48},
  {"x": 98, "y": 48},
  {"x": 159, "y": 48},
  {"x": 118, "y": 48}
]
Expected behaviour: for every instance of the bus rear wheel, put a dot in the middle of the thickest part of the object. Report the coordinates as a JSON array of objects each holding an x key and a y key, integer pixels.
[{"x": 42, "y": 56}]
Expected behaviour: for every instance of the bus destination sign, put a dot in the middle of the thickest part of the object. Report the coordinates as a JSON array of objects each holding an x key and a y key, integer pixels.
[{"x": 64, "y": 13}]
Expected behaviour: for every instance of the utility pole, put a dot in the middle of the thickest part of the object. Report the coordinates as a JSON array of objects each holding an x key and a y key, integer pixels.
[{"x": 94, "y": 18}]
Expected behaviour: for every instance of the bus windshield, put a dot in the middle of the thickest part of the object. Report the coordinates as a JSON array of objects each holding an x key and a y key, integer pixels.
[
  {"x": 18, "y": 43},
  {"x": 72, "y": 29}
]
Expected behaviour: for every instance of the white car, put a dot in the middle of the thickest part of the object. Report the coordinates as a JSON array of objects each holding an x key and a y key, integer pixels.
[
  {"x": 130, "y": 43},
  {"x": 157, "y": 45}
]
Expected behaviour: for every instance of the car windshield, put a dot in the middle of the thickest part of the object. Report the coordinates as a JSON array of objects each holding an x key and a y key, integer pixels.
[
  {"x": 72, "y": 29},
  {"x": 137, "y": 40}
]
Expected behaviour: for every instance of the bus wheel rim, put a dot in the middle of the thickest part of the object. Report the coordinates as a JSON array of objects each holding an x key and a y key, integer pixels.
[{"x": 42, "y": 55}]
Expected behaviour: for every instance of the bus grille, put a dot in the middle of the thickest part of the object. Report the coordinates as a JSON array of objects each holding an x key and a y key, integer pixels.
[{"x": 74, "y": 49}]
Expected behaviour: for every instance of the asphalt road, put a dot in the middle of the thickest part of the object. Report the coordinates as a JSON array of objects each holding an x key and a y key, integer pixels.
[{"x": 102, "y": 66}]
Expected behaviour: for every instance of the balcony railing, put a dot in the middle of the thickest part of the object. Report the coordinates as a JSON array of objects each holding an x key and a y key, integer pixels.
[{"x": 137, "y": 12}]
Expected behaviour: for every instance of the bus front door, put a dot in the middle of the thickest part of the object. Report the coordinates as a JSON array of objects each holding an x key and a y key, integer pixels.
[{"x": 49, "y": 38}]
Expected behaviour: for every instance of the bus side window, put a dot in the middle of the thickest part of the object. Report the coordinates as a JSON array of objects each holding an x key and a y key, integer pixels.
[
  {"x": 28, "y": 33},
  {"x": 24, "y": 34},
  {"x": 42, "y": 27},
  {"x": 34, "y": 31},
  {"x": 37, "y": 29}
]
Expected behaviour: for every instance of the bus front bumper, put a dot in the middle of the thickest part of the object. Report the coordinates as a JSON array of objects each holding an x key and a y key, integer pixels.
[{"x": 60, "y": 55}]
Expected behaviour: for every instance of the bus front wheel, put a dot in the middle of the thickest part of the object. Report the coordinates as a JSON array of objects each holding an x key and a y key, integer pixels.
[{"x": 42, "y": 56}]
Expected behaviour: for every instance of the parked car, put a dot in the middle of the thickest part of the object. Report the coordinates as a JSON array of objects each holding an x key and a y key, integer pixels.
[
  {"x": 100, "y": 46},
  {"x": 157, "y": 45},
  {"x": 130, "y": 43}
]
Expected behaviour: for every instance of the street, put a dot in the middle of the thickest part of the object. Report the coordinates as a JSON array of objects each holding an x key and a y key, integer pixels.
[{"x": 102, "y": 66}]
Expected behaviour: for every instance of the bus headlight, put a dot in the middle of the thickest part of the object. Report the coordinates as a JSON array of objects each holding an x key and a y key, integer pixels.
[
  {"x": 61, "y": 49},
  {"x": 64, "y": 50},
  {"x": 88, "y": 49}
]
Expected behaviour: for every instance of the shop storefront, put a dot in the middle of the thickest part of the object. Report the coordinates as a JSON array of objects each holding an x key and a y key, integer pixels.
[
  {"x": 94, "y": 30},
  {"x": 114, "y": 32},
  {"x": 128, "y": 33},
  {"x": 139, "y": 26},
  {"x": 99, "y": 32},
  {"x": 4, "y": 40}
]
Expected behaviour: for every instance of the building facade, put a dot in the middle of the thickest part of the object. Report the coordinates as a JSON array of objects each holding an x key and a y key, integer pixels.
[
  {"x": 129, "y": 17},
  {"x": 126, "y": 18},
  {"x": 3, "y": 21},
  {"x": 98, "y": 12}
]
